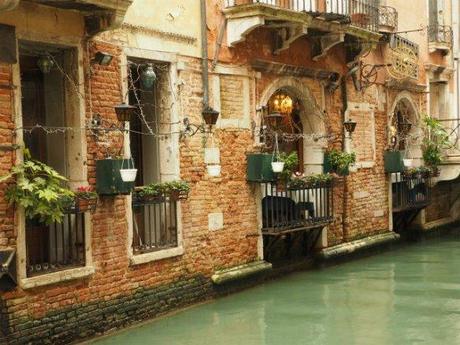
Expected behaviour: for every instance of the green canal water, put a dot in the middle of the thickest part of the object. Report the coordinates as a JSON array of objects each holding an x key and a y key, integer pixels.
[{"x": 407, "y": 296}]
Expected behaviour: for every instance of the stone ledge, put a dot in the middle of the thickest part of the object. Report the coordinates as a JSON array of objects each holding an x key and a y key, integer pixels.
[
  {"x": 160, "y": 255},
  {"x": 240, "y": 272},
  {"x": 351, "y": 247},
  {"x": 57, "y": 277}
]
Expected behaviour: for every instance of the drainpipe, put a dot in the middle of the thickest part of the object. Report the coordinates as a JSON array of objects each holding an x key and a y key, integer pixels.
[
  {"x": 8, "y": 5},
  {"x": 344, "y": 94},
  {"x": 204, "y": 54}
]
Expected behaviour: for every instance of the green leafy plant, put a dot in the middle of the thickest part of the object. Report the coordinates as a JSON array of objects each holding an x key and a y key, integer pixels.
[
  {"x": 85, "y": 192},
  {"x": 340, "y": 161},
  {"x": 299, "y": 181},
  {"x": 435, "y": 141},
  {"x": 151, "y": 190},
  {"x": 176, "y": 186},
  {"x": 291, "y": 162},
  {"x": 39, "y": 189},
  {"x": 424, "y": 172}
]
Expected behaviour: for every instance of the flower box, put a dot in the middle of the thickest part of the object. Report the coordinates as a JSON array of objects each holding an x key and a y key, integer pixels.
[
  {"x": 393, "y": 161},
  {"x": 108, "y": 177},
  {"x": 259, "y": 168}
]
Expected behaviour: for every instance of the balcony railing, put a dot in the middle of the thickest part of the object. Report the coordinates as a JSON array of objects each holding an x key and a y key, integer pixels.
[
  {"x": 56, "y": 246},
  {"x": 361, "y": 13},
  {"x": 287, "y": 210},
  {"x": 410, "y": 192},
  {"x": 388, "y": 19},
  {"x": 441, "y": 34},
  {"x": 155, "y": 224}
]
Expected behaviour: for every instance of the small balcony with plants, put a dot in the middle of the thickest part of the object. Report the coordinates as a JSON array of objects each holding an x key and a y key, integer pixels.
[{"x": 295, "y": 18}]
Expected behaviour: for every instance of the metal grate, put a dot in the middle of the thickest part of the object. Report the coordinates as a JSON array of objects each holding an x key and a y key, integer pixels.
[
  {"x": 285, "y": 209},
  {"x": 361, "y": 13},
  {"x": 155, "y": 224},
  {"x": 410, "y": 192},
  {"x": 56, "y": 246}
]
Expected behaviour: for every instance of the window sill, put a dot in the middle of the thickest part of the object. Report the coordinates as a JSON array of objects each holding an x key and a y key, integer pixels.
[
  {"x": 57, "y": 277},
  {"x": 155, "y": 256}
]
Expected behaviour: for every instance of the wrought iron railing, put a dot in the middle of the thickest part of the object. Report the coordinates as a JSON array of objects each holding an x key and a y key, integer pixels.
[
  {"x": 410, "y": 192},
  {"x": 56, "y": 246},
  {"x": 285, "y": 209},
  {"x": 388, "y": 18},
  {"x": 440, "y": 34},
  {"x": 155, "y": 224},
  {"x": 361, "y": 13}
]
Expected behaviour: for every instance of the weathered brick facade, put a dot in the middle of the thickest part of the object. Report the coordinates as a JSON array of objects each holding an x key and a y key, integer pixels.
[{"x": 119, "y": 292}]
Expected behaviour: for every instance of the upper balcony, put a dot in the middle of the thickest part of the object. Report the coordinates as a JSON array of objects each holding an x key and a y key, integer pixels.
[
  {"x": 359, "y": 18},
  {"x": 99, "y": 14},
  {"x": 388, "y": 19},
  {"x": 440, "y": 37}
]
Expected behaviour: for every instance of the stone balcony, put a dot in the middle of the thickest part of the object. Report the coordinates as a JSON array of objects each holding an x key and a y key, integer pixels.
[
  {"x": 294, "y": 18},
  {"x": 388, "y": 19},
  {"x": 99, "y": 14},
  {"x": 440, "y": 38}
]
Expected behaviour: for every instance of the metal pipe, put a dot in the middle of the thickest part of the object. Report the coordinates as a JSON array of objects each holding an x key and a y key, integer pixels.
[{"x": 204, "y": 54}]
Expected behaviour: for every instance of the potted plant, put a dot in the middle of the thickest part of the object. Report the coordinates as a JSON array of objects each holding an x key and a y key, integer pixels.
[
  {"x": 85, "y": 199},
  {"x": 177, "y": 190},
  {"x": 150, "y": 192},
  {"x": 39, "y": 189},
  {"x": 338, "y": 162},
  {"x": 435, "y": 141}
]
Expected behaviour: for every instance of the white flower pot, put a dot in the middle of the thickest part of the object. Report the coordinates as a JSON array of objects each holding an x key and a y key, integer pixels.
[
  {"x": 407, "y": 162},
  {"x": 128, "y": 175},
  {"x": 214, "y": 170},
  {"x": 277, "y": 167}
]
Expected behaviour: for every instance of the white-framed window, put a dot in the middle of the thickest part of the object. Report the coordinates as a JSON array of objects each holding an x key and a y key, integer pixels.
[
  {"x": 49, "y": 100},
  {"x": 153, "y": 143}
]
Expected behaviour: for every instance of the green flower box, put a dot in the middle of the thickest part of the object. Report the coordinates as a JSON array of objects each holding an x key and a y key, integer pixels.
[
  {"x": 108, "y": 178},
  {"x": 259, "y": 168},
  {"x": 393, "y": 161}
]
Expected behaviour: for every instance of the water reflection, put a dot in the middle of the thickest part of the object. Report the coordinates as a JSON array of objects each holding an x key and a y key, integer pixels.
[{"x": 408, "y": 296}]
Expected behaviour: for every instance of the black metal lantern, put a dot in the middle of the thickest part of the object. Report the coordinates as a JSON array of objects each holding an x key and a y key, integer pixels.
[
  {"x": 124, "y": 111},
  {"x": 45, "y": 64},
  {"x": 350, "y": 126},
  {"x": 103, "y": 58},
  {"x": 273, "y": 120},
  {"x": 210, "y": 115}
]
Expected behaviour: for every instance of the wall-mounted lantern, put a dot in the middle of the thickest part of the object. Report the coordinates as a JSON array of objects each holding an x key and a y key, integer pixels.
[
  {"x": 102, "y": 58},
  {"x": 45, "y": 64},
  {"x": 350, "y": 126},
  {"x": 148, "y": 77},
  {"x": 210, "y": 115},
  {"x": 125, "y": 112}
]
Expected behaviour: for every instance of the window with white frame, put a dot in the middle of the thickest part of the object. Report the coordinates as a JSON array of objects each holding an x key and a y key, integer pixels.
[
  {"x": 48, "y": 105},
  {"x": 154, "y": 221}
]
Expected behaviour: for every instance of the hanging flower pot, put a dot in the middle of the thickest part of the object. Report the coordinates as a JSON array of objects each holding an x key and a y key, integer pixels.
[
  {"x": 407, "y": 162},
  {"x": 214, "y": 170},
  {"x": 277, "y": 167},
  {"x": 128, "y": 175}
]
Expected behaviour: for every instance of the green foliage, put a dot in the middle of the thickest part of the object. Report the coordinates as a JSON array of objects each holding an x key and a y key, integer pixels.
[
  {"x": 86, "y": 192},
  {"x": 435, "y": 141},
  {"x": 340, "y": 161},
  {"x": 424, "y": 172},
  {"x": 291, "y": 162},
  {"x": 39, "y": 189},
  {"x": 159, "y": 189},
  {"x": 299, "y": 181}
]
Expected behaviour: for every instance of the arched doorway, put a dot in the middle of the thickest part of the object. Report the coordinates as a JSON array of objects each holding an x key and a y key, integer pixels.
[
  {"x": 403, "y": 127},
  {"x": 289, "y": 107}
]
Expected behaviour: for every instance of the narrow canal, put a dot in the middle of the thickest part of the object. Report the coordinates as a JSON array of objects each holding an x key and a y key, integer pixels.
[{"x": 407, "y": 296}]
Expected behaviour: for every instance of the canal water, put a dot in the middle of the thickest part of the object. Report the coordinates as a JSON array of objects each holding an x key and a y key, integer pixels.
[{"x": 407, "y": 296}]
